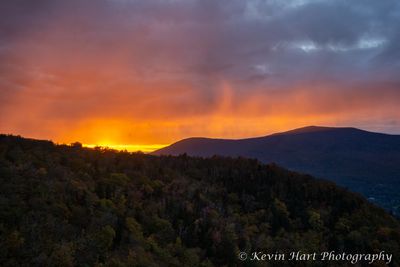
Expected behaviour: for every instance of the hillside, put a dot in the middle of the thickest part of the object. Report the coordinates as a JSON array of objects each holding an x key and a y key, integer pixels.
[
  {"x": 71, "y": 206},
  {"x": 363, "y": 161}
]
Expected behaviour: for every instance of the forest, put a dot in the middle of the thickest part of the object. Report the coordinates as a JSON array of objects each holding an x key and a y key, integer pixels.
[{"x": 65, "y": 205}]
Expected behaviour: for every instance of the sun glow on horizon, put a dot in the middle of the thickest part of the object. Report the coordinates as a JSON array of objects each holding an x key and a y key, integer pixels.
[{"x": 128, "y": 147}]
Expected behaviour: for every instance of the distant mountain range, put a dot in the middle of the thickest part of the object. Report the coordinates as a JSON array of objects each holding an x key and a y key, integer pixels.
[{"x": 363, "y": 161}]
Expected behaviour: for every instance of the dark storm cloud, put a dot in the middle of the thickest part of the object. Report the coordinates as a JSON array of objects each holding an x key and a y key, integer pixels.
[{"x": 231, "y": 39}]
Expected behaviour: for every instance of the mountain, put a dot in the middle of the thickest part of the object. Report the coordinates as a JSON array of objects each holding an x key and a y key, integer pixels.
[
  {"x": 363, "y": 161},
  {"x": 66, "y": 205}
]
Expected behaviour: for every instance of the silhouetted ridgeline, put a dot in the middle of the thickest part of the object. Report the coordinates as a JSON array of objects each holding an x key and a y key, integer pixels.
[
  {"x": 73, "y": 206},
  {"x": 365, "y": 162}
]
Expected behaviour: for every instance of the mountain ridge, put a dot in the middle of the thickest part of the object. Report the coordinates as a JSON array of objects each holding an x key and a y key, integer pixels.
[
  {"x": 301, "y": 130},
  {"x": 354, "y": 158}
]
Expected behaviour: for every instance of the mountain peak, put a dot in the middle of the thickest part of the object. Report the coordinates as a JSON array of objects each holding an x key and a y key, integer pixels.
[{"x": 313, "y": 129}]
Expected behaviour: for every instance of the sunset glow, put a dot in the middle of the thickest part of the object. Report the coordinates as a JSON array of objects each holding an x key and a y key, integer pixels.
[
  {"x": 156, "y": 72},
  {"x": 129, "y": 148}
]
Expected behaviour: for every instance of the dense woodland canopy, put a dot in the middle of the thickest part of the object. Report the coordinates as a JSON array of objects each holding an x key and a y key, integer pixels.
[{"x": 71, "y": 206}]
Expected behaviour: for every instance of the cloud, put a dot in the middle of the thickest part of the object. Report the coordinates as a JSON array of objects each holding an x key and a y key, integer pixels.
[{"x": 67, "y": 64}]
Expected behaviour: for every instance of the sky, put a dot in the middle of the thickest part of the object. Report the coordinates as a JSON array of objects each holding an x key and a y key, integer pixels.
[{"x": 146, "y": 73}]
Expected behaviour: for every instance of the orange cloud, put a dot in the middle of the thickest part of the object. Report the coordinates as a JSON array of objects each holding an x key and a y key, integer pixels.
[{"x": 149, "y": 80}]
